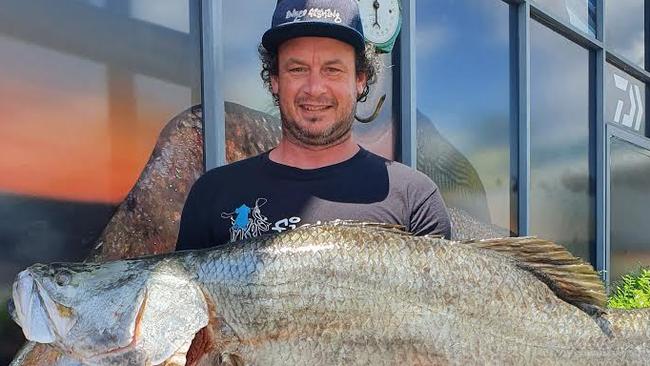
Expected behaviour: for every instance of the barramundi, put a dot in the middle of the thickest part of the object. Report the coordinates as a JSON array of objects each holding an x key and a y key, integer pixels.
[{"x": 340, "y": 293}]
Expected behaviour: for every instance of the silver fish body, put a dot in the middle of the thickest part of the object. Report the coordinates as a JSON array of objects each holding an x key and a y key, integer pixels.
[{"x": 333, "y": 294}]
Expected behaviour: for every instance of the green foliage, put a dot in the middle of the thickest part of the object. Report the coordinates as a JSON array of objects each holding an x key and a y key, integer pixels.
[{"x": 632, "y": 291}]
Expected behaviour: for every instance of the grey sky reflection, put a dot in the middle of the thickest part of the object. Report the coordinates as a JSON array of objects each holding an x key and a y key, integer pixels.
[
  {"x": 560, "y": 195},
  {"x": 241, "y": 62},
  {"x": 463, "y": 86},
  {"x": 624, "y": 28},
  {"x": 629, "y": 200},
  {"x": 173, "y": 14}
]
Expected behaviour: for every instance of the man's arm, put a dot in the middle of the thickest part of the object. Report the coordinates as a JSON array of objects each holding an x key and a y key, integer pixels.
[{"x": 430, "y": 215}]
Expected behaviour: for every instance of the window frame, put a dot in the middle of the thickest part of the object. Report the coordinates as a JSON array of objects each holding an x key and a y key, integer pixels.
[{"x": 612, "y": 130}]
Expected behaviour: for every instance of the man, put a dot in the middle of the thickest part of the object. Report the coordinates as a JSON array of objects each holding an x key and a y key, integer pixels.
[{"x": 316, "y": 65}]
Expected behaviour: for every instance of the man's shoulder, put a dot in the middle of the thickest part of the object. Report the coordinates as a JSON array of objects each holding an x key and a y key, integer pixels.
[{"x": 404, "y": 174}]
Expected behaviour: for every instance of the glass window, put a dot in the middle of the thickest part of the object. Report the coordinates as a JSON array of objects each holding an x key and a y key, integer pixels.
[
  {"x": 97, "y": 3},
  {"x": 579, "y": 13},
  {"x": 625, "y": 100},
  {"x": 85, "y": 91},
  {"x": 252, "y": 119},
  {"x": 624, "y": 29},
  {"x": 172, "y": 14},
  {"x": 629, "y": 202},
  {"x": 561, "y": 191},
  {"x": 463, "y": 104}
]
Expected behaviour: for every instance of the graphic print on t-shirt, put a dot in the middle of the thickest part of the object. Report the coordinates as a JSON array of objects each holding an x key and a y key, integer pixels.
[{"x": 247, "y": 222}]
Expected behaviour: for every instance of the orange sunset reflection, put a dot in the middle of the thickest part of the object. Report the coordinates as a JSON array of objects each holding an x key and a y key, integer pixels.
[{"x": 68, "y": 144}]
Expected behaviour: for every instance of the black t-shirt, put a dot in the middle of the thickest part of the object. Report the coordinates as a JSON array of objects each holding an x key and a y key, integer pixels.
[{"x": 257, "y": 196}]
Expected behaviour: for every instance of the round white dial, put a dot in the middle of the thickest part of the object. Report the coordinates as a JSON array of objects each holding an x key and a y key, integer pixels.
[{"x": 380, "y": 19}]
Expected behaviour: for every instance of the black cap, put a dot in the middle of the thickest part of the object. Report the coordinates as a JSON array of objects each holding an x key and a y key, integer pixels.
[{"x": 338, "y": 19}]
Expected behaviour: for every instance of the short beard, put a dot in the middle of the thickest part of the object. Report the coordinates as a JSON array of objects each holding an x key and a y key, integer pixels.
[{"x": 331, "y": 136}]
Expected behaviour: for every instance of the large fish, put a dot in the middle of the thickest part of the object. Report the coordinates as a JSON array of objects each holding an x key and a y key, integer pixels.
[{"x": 333, "y": 294}]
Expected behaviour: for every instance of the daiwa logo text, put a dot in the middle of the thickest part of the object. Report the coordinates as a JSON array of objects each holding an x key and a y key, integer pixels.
[{"x": 317, "y": 13}]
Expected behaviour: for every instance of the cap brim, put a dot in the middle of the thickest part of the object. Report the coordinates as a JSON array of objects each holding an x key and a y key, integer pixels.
[{"x": 275, "y": 36}]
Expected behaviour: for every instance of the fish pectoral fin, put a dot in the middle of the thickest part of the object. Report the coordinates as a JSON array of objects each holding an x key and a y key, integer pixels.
[
  {"x": 570, "y": 278},
  {"x": 172, "y": 298}
]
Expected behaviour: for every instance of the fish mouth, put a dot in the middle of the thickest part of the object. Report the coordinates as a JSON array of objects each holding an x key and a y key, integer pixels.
[
  {"x": 29, "y": 310},
  {"x": 42, "y": 319}
]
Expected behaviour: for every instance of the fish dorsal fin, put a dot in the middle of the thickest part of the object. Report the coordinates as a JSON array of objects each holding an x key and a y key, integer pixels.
[
  {"x": 569, "y": 277},
  {"x": 361, "y": 224}
]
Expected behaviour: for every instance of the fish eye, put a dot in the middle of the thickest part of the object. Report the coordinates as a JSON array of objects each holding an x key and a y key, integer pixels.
[{"x": 62, "y": 278}]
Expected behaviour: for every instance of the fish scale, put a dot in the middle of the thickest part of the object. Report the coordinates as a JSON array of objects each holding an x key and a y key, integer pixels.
[
  {"x": 373, "y": 265},
  {"x": 353, "y": 294}
]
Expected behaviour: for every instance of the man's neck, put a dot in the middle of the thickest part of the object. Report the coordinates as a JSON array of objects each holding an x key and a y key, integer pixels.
[{"x": 306, "y": 157}]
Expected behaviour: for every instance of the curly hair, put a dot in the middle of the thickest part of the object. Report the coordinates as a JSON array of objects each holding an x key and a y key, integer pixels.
[{"x": 366, "y": 62}]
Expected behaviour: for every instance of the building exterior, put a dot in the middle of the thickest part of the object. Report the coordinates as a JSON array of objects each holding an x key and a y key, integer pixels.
[{"x": 530, "y": 115}]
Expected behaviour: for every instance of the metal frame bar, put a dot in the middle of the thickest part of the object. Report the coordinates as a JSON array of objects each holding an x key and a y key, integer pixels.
[
  {"x": 627, "y": 66},
  {"x": 546, "y": 17},
  {"x": 195, "y": 34},
  {"x": 514, "y": 117},
  {"x": 600, "y": 21},
  {"x": 214, "y": 124},
  {"x": 613, "y": 130},
  {"x": 523, "y": 118},
  {"x": 602, "y": 223},
  {"x": 646, "y": 31},
  {"x": 408, "y": 88}
]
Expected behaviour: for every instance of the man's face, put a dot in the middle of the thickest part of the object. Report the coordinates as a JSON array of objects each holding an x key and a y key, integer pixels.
[{"x": 317, "y": 87}]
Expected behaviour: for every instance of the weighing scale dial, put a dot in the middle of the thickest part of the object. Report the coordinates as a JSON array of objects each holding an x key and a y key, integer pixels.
[{"x": 381, "y": 21}]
